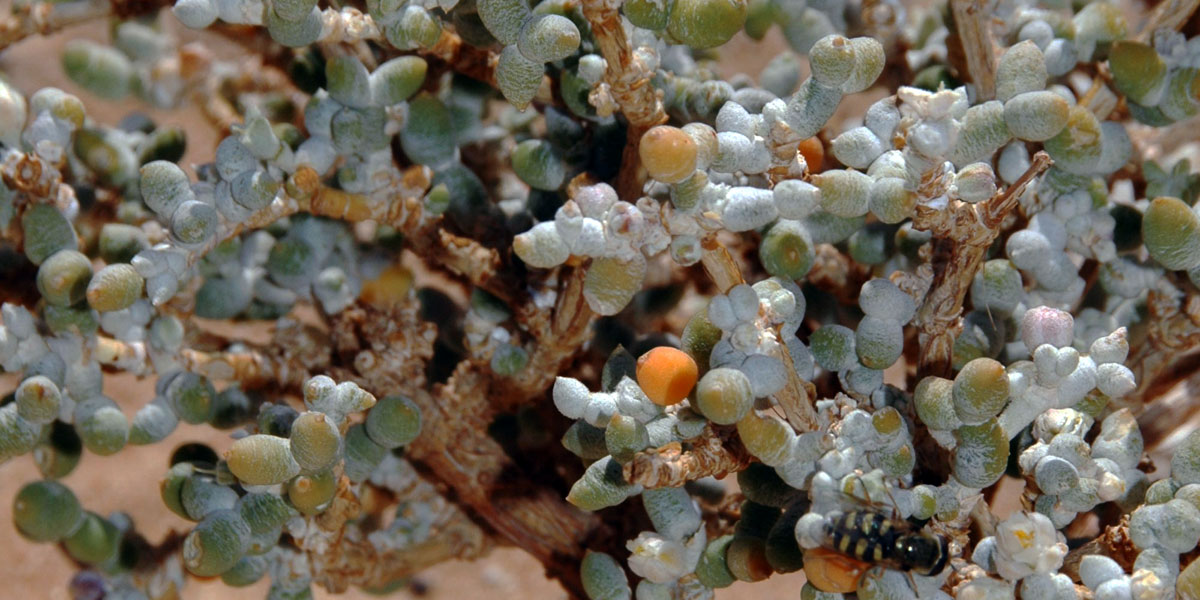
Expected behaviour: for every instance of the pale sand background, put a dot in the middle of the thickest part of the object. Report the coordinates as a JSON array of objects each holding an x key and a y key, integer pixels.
[{"x": 129, "y": 480}]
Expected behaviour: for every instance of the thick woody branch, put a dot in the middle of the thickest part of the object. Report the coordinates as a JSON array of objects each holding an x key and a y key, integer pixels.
[
  {"x": 716, "y": 453},
  {"x": 1173, "y": 336},
  {"x": 971, "y": 17},
  {"x": 629, "y": 83},
  {"x": 967, "y": 230},
  {"x": 455, "y": 449}
]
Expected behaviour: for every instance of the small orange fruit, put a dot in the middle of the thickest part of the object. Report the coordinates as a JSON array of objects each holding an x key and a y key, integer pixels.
[
  {"x": 832, "y": 572},
  {"x": 667, "y": 375},
  {"x": 814, "y": 153},
  {"x": 668, "y": 153}
]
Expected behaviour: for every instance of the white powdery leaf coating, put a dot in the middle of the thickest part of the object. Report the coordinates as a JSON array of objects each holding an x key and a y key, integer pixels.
[
  {"x": 1095, "y": 569},
  {"x": 1112, "y": 348},
  {"x": 720, "y": 313},
  {"x": 672, "y": 511},
  {"x": 735, "y": 118},
  {"x": 1027, "y": 543},
  {"x": 767, "y": 375},
  {"x": 661, "y": 560},
  {"x": 631, "y": 401},
  {"x": 796, "y": 199},
  {"x": 858, "y": 147},
  {"x": 882, "y": 298},
  {"x": 541, "y": 246},
  {"x": 744, "y": 302},
  {"x": 1115, "y": 380},
  {"x": 195, "y": 14},
  {"x": 748, "y": 208},
  {"x": 600, "y": 409},
  {"x": 241, "y": 12},
  {"x": 811, "y": 530},
  {"x": 1046, "y": 325},
  {"x": 571, "y": 397}
]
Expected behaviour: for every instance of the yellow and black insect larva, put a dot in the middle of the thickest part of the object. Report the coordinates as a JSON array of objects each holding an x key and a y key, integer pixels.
[{"x": 870, "y": 537}]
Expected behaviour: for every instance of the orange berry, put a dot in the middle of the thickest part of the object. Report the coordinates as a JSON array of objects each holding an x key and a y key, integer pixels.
[
  {"x": 668, "y": 153},
  {"x": 813, "y": 152},
  {"x": 667, "y": 375},
  {"x": 831, "y": 572}
]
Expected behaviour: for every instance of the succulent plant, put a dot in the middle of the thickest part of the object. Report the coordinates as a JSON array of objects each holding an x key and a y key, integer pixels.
[{"x": 448, "y": 216}]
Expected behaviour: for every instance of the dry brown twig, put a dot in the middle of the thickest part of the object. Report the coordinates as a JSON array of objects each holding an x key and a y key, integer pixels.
[
  {"x": 969, "y": 230},
  {"x": 972, "y": 18},
  {"x": 715, "y": 453},
  {"x": 629, "y": 82}
]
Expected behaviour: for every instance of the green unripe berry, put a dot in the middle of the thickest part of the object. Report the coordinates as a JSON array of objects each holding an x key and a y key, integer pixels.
[
  {"x": 96, "y": 540},
  {"x": 46, "y": 511},
  {"x": 746, "y": 558},
  {"x": 934, "y": 400},
  {"x": 625, "y": 436},
  {"x": 216, "y": 544},
  {"x": 398, "y": 79},
  {"x": 539, "y": 165},
  {"x": 104, "y": 431},
  {"x": 767, "y": 438},
  {"x": 585, "y": 441},
  {"x": 1138, "y": 71},
  {"x": 262, "y": 460},
  {"x": 1077, "y": 148},
  {"x": 311, "y": 494},
  {"x": 787, "y": 250},
  {"x": 869, "y": 60},
  {"x": 58, "y": 455},
  {"x": 833, "y": 347},
  {"x": 891, "y": 200},
  {"x": 191, "y": 396},
  {"x": 603, "y": 578},
  {"x": 348, "y": 81},
  {"x": 115, "y": 287},
  {"x": 46, "y": 232},
  {"x": 648, "y": 14},
  {"x": 504, "y": 18},
  {"x": 610, "y": 283},
  {"x": 102, "y": 70},
  {"x": 602, "y": 484},
  {"x": 394, "y": 421},
  {"x": 1021, "y": 68},
  {"x": 981, "y": 454},
  {"x": 518, "y": 77},
  {"x": 427, "y": 137},
  {"x": 878, "y": 342},
  {"x": 295, "y": 33},
  {"x": 547, "y": 38},
  {"x": 724, "y": 396},
  {"x": 153, "y": 422},
  {"x": 980, "y": 391},
  {"x": 264, "y": 513},
  {"x": 17, "y": 436},
  {"x": 171, "y": 487},
  {"x": 38, "y": 400},
  {"x": 1171, "y": 231},
  {"x": 63, "y": 279},
  {"x": 705, "y": 24},
  {"x": 844, "y": 193},
  {"x": 194, "y": 223},
  {"x": 832, "y": 60},
  {"x": 712, "y": 570},
  {"x": 1036, "y": 116},
  {"x": 246, "y": 572},
  {"x": 362, "y": 454},
  {"x": 315, "y": 441},
  {"x": 200, "y": 495}
]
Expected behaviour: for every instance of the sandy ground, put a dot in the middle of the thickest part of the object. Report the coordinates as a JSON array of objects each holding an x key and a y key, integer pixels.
[{"x": 129, "y": 480}]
